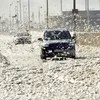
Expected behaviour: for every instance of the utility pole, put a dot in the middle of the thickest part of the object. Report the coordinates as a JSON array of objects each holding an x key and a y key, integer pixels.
[
  {"x": 86, "y": 5},
  {"x": 17, "y": 15},
  {"x": 39, "y": 14},
  {"x": 10, "y": 15},
  {"x": 20, "y": 11},
  {"x": 29, "y": 14},
  {"x": 13, "y": 17},
  {"x": 0, "y": 23},
  {"x": 87, "y": 9},
  {"x": 99, "y": 4},
  {"x": 33, "y": 17},
  {"x": 25, "y": 17},
  {"x": 74, "y": 4},
  {"x": 47, "y": 13},
  {"x": 61, "y": 6},
  {"x": 74, "y": 11},
  {"x": 26, "y": 14},
  {"x": 16, "y": 25},
  {"x": 23, "y": 14}
]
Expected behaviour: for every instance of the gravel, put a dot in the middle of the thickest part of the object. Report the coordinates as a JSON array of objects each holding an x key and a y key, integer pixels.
[{"x": 27, "y": 77}]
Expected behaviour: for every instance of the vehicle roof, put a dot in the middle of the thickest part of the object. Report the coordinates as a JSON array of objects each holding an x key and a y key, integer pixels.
[{"x": 21, "y": 33}]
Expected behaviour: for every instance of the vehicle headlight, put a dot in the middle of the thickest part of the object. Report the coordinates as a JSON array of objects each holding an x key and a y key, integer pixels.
[
  {"x": 50, "y": 51},
  {"x": 46, "y": 45},
  {"x": 15, "y": 39},
  {"x": 71, "y": 44}
]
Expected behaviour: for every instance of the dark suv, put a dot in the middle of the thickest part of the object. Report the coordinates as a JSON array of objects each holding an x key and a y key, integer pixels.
[{"x": 57, "y": 43}]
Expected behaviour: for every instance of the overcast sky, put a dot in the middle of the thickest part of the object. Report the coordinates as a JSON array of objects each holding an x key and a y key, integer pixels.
[{"x": 54, "y": 6}]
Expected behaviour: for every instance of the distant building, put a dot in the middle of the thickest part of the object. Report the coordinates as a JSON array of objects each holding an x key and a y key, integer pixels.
[{"x": 66, "y": 20}]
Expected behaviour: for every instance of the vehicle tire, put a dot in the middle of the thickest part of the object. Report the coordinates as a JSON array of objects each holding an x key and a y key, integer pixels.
[
  {"x": 73, "y": 56},
  {"x": 43, "y": 56},
  {"x": 16, "y": 43},
  {"x": 29, "y": 42}
]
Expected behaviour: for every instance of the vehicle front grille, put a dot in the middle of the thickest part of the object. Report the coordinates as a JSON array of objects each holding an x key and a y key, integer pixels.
[{"x": 58, "y": 46}]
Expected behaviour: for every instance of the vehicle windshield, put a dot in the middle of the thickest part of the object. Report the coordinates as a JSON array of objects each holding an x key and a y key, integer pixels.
[
  {"x": 22, "y": 34},
  {"x": 57, "y": 35}
]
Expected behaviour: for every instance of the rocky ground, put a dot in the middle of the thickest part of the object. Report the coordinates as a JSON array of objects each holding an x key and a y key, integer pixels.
[{"x": 24, "y": 76}]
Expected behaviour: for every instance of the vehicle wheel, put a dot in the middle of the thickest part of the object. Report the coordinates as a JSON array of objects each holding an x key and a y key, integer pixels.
[
  {"x": 43, "y": 56},
  {"x": 22, "y": 42},
  {"x": 16, "y": 43},
  {"x": 29, "y": 42},
  {"x": 73, "y": 56}
]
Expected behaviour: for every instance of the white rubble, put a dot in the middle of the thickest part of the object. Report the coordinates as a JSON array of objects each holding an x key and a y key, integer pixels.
[{"x": 27, "y": 77}]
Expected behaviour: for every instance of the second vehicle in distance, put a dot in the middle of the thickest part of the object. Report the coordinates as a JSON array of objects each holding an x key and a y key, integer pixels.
[{"x": 21, "y": 38}]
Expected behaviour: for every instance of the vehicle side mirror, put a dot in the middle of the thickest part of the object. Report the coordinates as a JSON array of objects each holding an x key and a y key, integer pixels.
[
  {"x": 74, "y": 37},
  {"x": 40, "y": 39}
]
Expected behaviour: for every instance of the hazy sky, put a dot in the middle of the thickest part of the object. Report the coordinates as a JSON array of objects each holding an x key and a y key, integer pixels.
[{"x": 54, "y": 6}]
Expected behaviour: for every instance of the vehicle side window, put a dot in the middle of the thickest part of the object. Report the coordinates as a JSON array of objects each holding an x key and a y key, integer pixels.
[
  {"x": 67, "y": 34},
  {"x": 47, "y": 35},
  {"x": 64, "y": 35}
]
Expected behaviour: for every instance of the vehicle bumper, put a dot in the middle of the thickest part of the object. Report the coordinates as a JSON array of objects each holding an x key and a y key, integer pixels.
[
  {"x": 60, "y": 53},
  {"x": 19, "y": 41}
]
